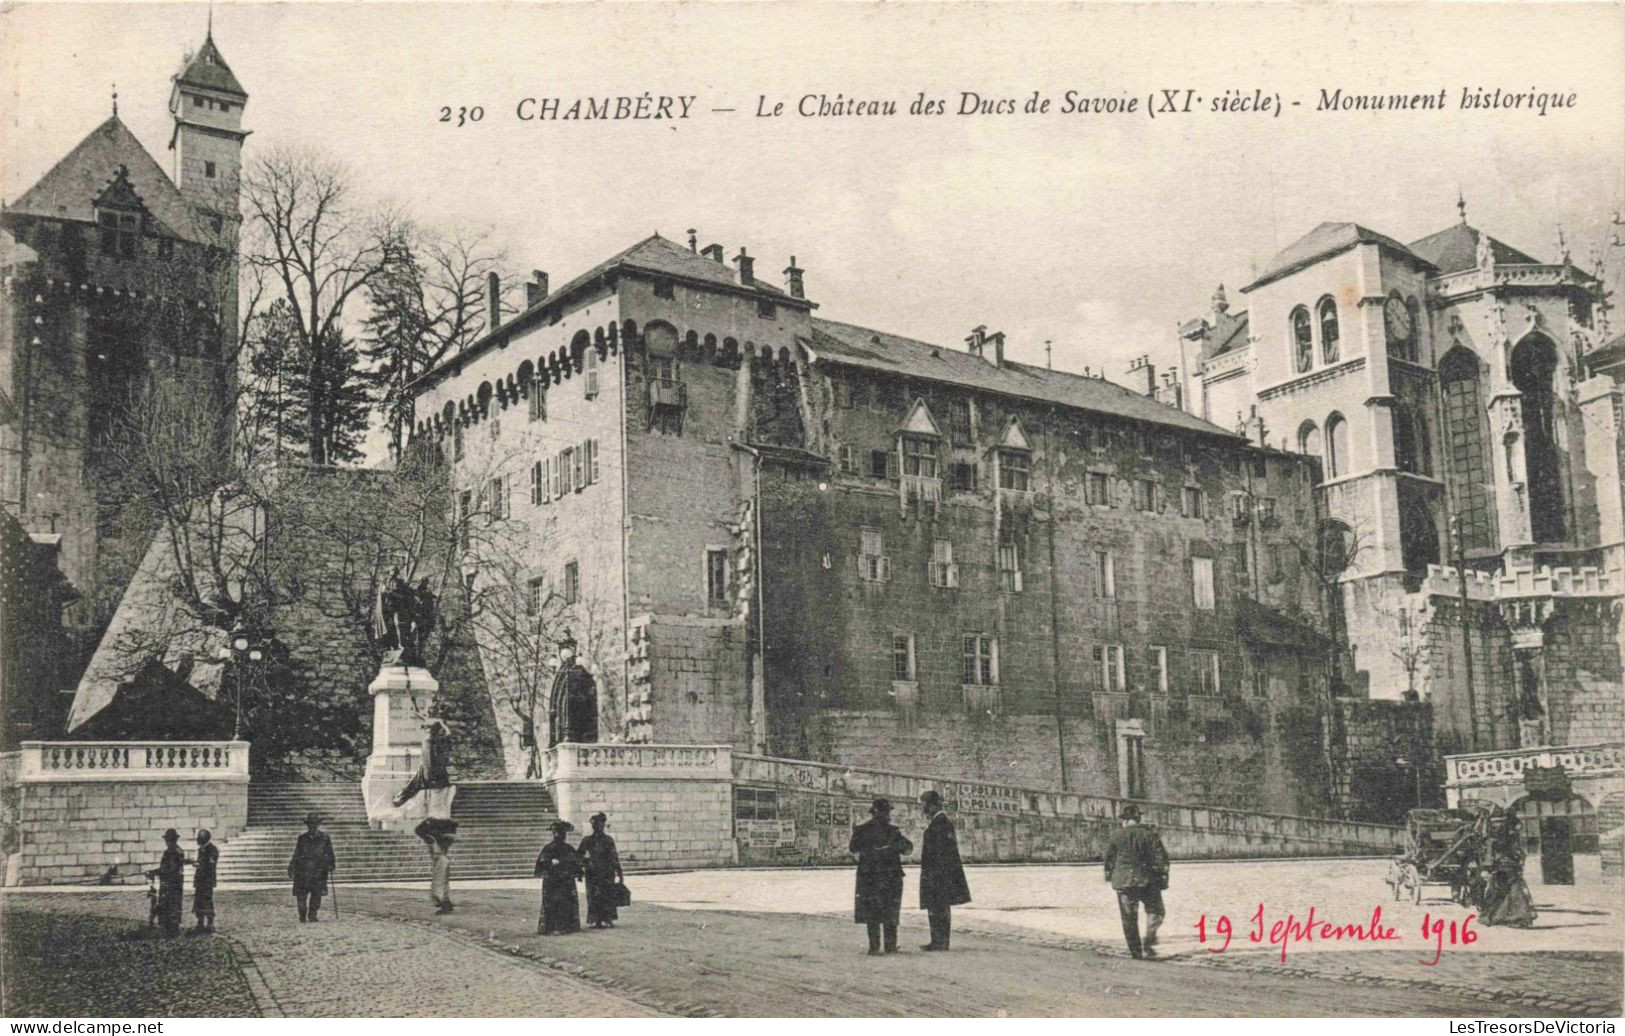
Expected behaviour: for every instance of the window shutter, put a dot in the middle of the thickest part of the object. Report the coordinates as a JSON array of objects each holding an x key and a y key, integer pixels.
[
  {"x": 891, "y": 464},
  {"x": 1016, "y": 580},
  {"x": 578, "y": 466},
  {"x": 561, "y": 473},
  {"x": 885, "y": 569},
  {"x": 592, "y": 454}
]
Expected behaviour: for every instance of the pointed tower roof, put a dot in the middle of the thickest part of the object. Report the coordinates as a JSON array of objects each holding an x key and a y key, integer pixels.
[
  {"x": 207, "y": 69},
  {"x": 72, "y": 187},
  {"x": 1324, "y": 241}
]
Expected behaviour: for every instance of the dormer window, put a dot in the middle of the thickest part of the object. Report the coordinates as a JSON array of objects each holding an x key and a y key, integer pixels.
[
  {"x": 919, "y": 457},
  {"x": 1015, "y": 470},
  {"x": 119, "y": 233},
  {"x": 1303, "y": 340}
]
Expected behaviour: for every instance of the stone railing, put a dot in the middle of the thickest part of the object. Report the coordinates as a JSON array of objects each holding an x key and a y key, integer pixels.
[
  {"x": 133, "y": 761},
  {"x": 586, "y": 762},
  {"x": 1312, "y": 833},
  {"x": 1507, "y": 767}
]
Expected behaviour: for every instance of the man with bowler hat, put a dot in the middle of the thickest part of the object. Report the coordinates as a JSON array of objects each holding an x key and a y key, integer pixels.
[
  {"x": 311, "y": 864},
  {"x": 880, "y": 849},
  {"x": 942, "y": 874},
  {"x": 1137, "y": 867}
]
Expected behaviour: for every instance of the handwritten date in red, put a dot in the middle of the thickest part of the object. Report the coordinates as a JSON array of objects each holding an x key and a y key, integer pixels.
[{"x": 1293, "y": 931}]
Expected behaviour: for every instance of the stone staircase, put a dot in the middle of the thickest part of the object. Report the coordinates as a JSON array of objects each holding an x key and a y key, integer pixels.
[{"x": 501, "y": 827}]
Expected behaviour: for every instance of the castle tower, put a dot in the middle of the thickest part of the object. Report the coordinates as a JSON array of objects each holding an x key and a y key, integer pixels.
[{"x": 207, "y": 105}]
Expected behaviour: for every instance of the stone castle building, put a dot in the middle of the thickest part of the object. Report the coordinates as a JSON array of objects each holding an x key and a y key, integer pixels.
[
  {"x": 114, "y": 271},
  {"x": 1466, "y": 406},
  {"x": 803, "y": 537}
]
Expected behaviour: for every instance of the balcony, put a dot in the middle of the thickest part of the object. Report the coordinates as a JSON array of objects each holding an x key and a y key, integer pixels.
[
  {"x": 1481, "y": 769},
  {"x": 667, "y": 392}
]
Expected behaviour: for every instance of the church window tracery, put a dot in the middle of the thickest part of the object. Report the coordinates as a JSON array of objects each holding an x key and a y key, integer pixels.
[
  {"x": 1534, "y": 364},
  {"x": 1466, "y": 455}
]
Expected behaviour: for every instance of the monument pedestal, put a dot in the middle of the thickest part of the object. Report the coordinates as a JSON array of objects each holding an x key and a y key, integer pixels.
[{"x": 401, "y": 696}]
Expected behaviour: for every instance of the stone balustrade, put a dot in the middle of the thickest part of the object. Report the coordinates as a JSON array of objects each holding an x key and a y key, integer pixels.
[
  {"x": 133, "y": 760},
  {"x": 1200, "y": 830},
  {"x": 1507, "y": 767}
]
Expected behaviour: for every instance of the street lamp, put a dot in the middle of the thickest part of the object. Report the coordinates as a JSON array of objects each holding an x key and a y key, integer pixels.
[
  {"x": 237, "y": 652},
  {"x": 1416, "y": 771}
]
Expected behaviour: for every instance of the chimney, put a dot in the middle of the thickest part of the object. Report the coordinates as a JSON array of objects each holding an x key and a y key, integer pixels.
[
  {"x": 747, "y": 267},
  {"x": 493, "y": 301},
  {"x": 1143, "y": 375},
  {"x": 536, "y": 290},
  {"x": 713, "y": 253},
  {"x": 996, "y": 340},
  {"x": 693, "y": 240},
  {"x": 976, "y": 339},
  {"x": 792, "y": 280}
]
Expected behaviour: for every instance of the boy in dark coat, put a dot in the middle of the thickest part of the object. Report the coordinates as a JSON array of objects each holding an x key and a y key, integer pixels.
[
  {"x": 171, "y": 875},
  {"x": 312, "y": 862},
  {"x": 880, "y": 849},
  {"x": 1137, "y": 867},
  {"x": 203, "y": 881},
  {"x": 942, "y": 874}
]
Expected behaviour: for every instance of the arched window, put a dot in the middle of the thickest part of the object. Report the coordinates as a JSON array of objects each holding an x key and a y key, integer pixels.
[
  {"x": 1465, "y": 449},
  {"x": 1326, "y": 310},
  {"x": 1414, "y": 352},
  {"x": 1337, "y": 446},
  {"x": 1418, "y": 535},
  {"x": 1303, "y": 345},
  {"x": 1309, "y": 439},
  {"x": 1534, "y": 362}
]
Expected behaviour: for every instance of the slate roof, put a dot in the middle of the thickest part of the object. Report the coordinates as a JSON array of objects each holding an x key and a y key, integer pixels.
[
  {"x": 1456, "y": 248},
  {"x": 1607, "y": 354},
  {"x": 210, "y": 71},
  {"x": 72, "y": 186},
  {"x": 1325, "y": 240},
  {"x": 893, "y": 354}
]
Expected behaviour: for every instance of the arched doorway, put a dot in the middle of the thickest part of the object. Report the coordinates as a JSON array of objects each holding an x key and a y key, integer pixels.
[
  {"x": 1534, "y": 361},
  {"x": 1556, "y": 833}
]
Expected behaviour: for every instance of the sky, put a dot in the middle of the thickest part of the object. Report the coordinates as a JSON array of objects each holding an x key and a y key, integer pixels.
[{"x": 1099, "y": 232}]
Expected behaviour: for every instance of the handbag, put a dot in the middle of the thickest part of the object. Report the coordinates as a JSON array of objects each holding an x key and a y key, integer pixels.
[{"x": 621, "y": 895}]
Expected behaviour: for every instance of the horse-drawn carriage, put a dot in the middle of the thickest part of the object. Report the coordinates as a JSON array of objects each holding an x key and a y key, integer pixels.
[
  {"x": 1440, "y": 845},
  {"x": 1475, "y": 851}
]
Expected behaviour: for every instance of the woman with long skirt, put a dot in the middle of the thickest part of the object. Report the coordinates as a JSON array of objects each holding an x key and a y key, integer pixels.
[
  {"x": 559, "y": 867},
  {"x": 602, "y": 865}
]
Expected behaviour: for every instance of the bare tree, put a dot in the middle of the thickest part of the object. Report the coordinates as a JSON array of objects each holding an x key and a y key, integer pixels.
[{"x": 321, "y": 250}]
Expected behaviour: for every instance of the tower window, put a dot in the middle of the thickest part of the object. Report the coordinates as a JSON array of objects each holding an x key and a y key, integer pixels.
[
  {"x": 208, "y": 170},
  {"x": 1303, "y": 345},
  {"x": 1328, "y": 329},
  {"x": 716, "y": 576},
  {"x": 572, "y": 582},
  {"x": 197, "y": 102}
]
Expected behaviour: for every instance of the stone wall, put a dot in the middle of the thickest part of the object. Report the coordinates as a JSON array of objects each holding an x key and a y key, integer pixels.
[
  {"x": 87, "y": 809},
  {"x": 1379, "y": 750},
  {"x": 794, "y": 813},
  {"x": 668, "y": 805}
]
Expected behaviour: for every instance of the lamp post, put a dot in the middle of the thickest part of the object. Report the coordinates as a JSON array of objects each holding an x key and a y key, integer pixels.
[
  {"x": 237, "y": 651},
  {"x": 1416, "y": 771}
]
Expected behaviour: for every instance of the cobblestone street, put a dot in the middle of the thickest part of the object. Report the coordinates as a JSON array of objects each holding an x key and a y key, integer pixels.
[{"x": 1036, "y": 941}]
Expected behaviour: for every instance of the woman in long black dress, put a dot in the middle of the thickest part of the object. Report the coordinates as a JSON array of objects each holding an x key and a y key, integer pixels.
[
  {"x": 602, "y": 865},
  {"x": 559, "y": 867}
]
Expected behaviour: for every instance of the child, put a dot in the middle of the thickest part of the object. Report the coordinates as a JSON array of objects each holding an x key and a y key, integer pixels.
[{"x": 203, "y": 879}]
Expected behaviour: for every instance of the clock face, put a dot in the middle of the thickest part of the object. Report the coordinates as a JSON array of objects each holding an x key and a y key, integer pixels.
[{"x": 1398, "y": 318}]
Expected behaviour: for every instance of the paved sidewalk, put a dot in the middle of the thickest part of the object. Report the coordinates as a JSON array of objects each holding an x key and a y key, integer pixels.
[{"x": 264, "y": 962}]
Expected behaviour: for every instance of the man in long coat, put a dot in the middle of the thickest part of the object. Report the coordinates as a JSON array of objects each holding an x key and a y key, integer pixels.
[
  {"x": 312, "y": 862},
  {"x": 1137, "y": 867},
  {"x": 942, "y": 873},
  {"x": 171, "y": 875},
  {"x": 880, "y": 849}
]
